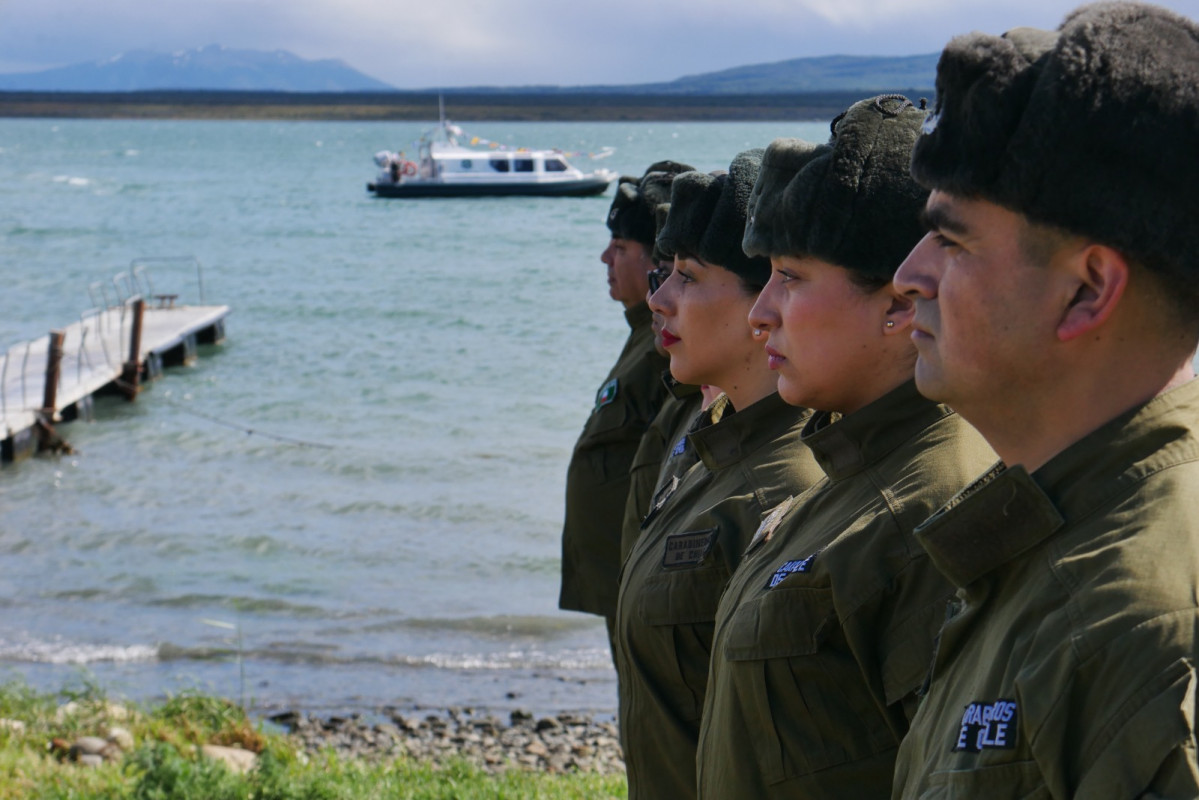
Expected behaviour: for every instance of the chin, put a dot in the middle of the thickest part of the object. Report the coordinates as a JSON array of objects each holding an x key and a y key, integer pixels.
[
  {"x": 929, "y": 383},
  {"x": 791, "y": 392},
  {"x": 681, "y": 371}
]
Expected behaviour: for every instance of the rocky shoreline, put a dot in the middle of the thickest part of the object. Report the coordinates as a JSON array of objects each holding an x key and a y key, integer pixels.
[{"x": 563, "y": 743}]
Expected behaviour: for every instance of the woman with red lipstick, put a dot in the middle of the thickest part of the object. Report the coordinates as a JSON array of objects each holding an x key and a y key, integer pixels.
[
  {"x": 824, "y": 633},
  {"x": 699, "y": 522},
  {"x": 663, "y": 452}
]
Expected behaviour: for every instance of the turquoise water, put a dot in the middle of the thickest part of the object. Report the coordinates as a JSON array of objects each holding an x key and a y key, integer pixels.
[{"x": 434, "y": 360}]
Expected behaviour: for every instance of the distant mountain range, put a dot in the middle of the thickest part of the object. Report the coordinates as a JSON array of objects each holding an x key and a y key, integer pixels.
[
  {"x": 206, "y": 68},
  {"x": 216, "y": 68}
]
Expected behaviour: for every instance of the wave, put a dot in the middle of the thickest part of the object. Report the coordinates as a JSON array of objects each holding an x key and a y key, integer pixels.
[
  {"x": 59, "y": 652},
  {"x": 505, "y": 625},
  {"x": 305, "y": 654},
  {"x": 72, "y": 180}
]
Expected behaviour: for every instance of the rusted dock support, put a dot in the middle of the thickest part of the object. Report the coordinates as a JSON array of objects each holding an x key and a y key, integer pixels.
[{"x": 115, "y": 348}]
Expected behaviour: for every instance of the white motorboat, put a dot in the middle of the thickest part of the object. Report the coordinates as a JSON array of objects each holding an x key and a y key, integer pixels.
[{"x": 445, "y": 167}]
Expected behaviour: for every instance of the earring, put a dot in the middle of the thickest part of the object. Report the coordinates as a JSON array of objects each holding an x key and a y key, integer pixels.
[
  {"x": 757, "y": 331},
  {"x": 890, "y": 323}
]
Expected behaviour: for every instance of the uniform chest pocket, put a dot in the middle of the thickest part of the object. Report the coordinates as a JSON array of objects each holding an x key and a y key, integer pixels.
[
  {"x": 806, "y": 705},
  {"x": 683, "y": 597},
  {"x": 608, "y": 418},
  {"x": 608, "y": 444},
  {"x": 1020, "y": 779},
  {"x": 679, "y": 609}
]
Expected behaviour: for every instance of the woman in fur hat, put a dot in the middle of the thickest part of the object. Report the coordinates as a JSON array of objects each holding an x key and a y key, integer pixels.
[
  {"x": 824, "y": 633},
  {"x": 748, "y": 459}
]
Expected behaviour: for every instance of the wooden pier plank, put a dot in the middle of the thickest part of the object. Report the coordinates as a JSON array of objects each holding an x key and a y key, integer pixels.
[{"x": 94, "y": 350}]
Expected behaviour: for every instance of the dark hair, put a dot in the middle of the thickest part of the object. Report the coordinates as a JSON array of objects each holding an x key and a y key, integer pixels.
[
  {"x": 1176, "y": 295},
  {"x": 748, "y": 284},
  {"x": 869, "y": 283}
]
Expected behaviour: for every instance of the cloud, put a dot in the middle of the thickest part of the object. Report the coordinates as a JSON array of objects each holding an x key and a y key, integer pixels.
[{"x": 518, "y": 42}]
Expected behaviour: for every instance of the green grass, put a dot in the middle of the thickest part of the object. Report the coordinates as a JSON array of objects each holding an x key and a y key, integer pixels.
[{"x": 165, "y": 765}]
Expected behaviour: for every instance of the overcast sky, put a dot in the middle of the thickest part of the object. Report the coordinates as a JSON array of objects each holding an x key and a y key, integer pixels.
[{"x": 519, "y": 42}]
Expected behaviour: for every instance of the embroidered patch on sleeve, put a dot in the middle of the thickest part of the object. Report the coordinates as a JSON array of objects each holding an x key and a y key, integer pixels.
[
  {"x": 688, "y": 549},
  {"x": 606, "y": 394},
  {"x": 790, "y": 568},
  {"x": 988, "y": 726}
]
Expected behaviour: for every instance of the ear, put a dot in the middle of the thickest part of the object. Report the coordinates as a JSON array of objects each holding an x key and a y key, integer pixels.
[
  {"x": 900, "y": 310},
  {"x": 1101, "y": 276}
]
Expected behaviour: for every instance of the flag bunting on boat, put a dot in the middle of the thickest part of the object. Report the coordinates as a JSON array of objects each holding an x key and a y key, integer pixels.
[{"x": 479, "y": 141}]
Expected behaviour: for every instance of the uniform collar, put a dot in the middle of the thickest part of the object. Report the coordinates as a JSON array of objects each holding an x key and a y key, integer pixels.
[
  {"x": 678, "y": 390},
  {"x": 638, "y": 315},
  {"x": 723, "y": 437},
  {"x": 1007, "y": 511},
  {"x": 846, "y": 445}
]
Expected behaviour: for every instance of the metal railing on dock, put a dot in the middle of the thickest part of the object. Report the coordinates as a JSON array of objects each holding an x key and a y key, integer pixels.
[{"x": 123, "y": 339}]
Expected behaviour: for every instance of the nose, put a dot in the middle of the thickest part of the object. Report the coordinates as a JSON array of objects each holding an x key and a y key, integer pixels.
[
  {"x": 765, "y": 312},
  {"x": 606, "y": 256},
  {"x": 917, "y": 275},
  {"x": 662, "y": 301}
]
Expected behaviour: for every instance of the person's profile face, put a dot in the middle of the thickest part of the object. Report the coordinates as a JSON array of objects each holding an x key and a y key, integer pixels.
[
  {"x": 984, "y": 315},
  {"x": 821, "y": 333},
  {"x": 628, "y": 263}
]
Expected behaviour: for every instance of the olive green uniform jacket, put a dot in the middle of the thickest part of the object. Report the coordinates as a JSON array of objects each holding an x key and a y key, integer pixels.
[
  {"x": 662, "y": 454},
  {"x": 597, "y": 480},
  {"x": 1068, "y": 667},
  {"x": 692, "y": 540},
  {"x": 825, "y": 631}
]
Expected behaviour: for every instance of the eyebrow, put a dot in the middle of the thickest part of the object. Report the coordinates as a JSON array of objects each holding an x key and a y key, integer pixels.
[{"x": 939, "y": 218}]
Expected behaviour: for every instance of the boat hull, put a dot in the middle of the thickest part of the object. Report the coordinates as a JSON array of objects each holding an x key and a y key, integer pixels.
[{"x": 575, "y": 188}]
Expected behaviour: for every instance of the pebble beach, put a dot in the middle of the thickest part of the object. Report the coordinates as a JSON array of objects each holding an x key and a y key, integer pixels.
[{"x": 554, "y": 744}]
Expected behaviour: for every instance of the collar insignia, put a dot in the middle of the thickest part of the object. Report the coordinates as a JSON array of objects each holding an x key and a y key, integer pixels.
[{"x": 771, "y": 521}]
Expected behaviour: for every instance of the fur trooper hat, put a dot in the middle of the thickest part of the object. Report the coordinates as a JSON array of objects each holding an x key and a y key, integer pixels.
[
  {"x": 707, "y": 217},
  {"x": 851, "y": 202},
  {"x": 660, "y": 212},
  {"x": 632, "y": 213},
  {"x": 768, "y": 225},
  {"x": 1092, "y": 129}
]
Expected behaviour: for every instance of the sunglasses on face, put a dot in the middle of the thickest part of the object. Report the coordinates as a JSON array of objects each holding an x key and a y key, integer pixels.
[{"x": 657, "y": 277}]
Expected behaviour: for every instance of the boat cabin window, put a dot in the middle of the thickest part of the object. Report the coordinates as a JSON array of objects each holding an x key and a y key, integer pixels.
[
  {"x": 555, "y": 165},
  {"x": 499, "y": 164},
  {"x": 467, "y": 163},
  {"x": 522, "y": 164}
]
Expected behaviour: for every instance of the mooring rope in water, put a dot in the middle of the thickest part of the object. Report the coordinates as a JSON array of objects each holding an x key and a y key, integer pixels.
[{"x": 237, "y": 426}]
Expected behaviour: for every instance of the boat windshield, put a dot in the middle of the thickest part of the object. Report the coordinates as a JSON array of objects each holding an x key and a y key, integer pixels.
[{"x": 555, "y": 165}]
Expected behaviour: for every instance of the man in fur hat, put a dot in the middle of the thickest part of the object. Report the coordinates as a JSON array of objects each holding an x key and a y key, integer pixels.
[
  {"x": 597, "y": 480},
  {"x": 1057, "y": 310}
]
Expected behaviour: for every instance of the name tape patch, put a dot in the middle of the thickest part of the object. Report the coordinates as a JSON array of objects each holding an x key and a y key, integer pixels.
[
  {"x": 688, "y": 549},
  {"x": 790, "y": 568},
  {"x": 988, "y": 726}
]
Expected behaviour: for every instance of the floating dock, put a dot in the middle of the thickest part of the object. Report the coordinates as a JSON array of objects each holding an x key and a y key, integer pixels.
[{"x": 113, "y": 348}]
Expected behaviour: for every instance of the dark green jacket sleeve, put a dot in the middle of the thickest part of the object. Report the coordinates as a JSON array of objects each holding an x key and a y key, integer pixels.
[{"x": 597, "y": 480}]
